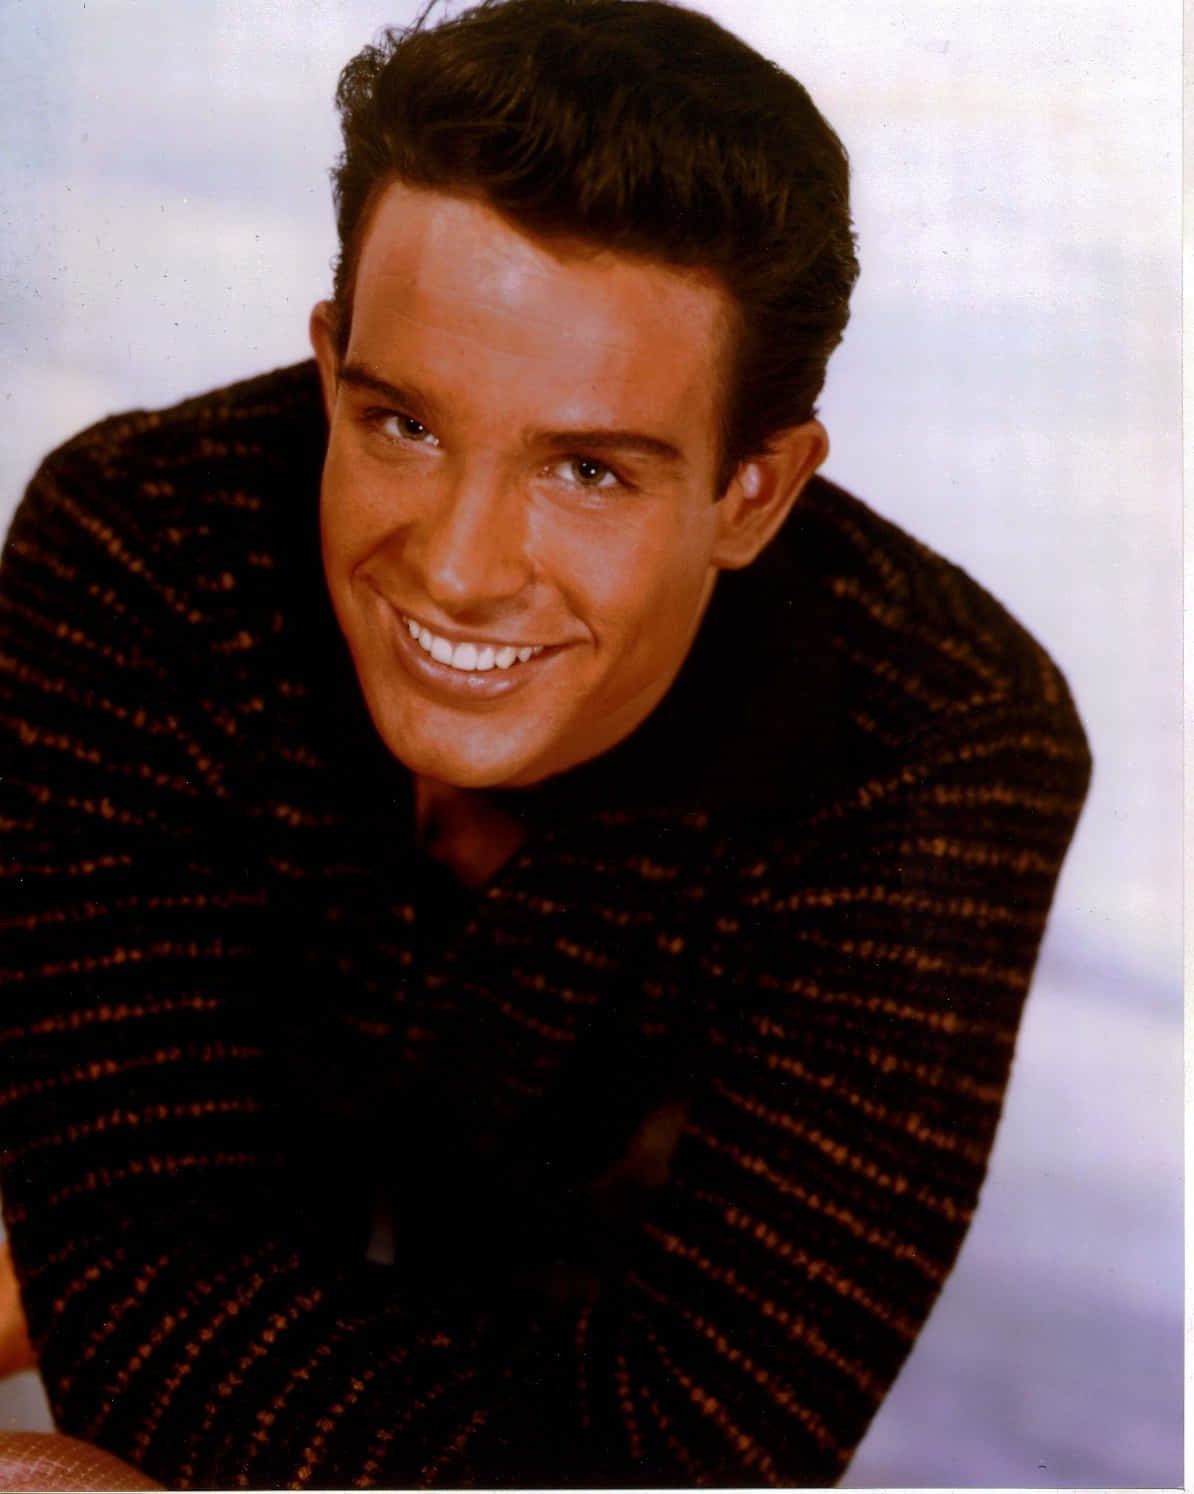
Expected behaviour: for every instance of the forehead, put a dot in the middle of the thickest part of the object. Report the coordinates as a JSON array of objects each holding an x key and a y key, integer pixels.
[{"x": 449, "y": 283}]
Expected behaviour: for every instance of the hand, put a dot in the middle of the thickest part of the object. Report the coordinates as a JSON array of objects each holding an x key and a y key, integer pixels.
[
  {"x": 45, "y": 1460},
  {"x": 16, "y": 1352}
]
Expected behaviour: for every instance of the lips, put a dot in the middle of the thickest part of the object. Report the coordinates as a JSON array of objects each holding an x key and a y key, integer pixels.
[
  {"x": 469, "y": 656},
  {"x": 439, "y": 665}
]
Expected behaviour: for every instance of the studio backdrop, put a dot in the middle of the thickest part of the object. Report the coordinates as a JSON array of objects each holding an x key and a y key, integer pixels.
[{"x": 1007, "y": 390}]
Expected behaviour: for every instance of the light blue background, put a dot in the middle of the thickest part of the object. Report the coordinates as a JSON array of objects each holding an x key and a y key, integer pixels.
[{"x": 1008, "y": 390}]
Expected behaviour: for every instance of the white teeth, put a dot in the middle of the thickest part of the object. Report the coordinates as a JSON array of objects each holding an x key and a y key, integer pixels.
[{"x": 469, "y": 657}]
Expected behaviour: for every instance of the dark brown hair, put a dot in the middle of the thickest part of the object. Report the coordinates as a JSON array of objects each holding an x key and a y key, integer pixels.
[{"x": 637, "y": 126}]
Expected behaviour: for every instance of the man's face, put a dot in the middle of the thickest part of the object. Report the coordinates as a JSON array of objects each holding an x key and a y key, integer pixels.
[{"x": 518, "y": 518}]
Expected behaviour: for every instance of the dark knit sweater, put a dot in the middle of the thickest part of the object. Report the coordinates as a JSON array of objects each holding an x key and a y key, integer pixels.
[{"x": 796, "y": 911}]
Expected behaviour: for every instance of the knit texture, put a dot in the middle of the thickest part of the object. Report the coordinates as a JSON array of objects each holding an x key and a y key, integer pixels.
[{"x": 790, "y": 922}]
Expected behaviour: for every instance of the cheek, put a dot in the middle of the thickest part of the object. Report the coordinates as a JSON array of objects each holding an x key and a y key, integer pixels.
[
  {"x": 339, "y": 516},
  {"x": 357, "y": 513},
  {"x": 639, "y": 586}
]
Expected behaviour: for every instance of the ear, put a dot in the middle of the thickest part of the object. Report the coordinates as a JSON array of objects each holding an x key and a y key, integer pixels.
[
  {"x": 322, "y": 331},
  {"x": 762, "y": 491}
]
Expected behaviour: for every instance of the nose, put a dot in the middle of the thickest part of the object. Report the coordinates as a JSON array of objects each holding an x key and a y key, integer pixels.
[{"x": 469, "y": 546}]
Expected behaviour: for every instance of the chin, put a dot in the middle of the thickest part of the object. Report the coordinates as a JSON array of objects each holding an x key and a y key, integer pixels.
[{"x": 460, "y": 768}]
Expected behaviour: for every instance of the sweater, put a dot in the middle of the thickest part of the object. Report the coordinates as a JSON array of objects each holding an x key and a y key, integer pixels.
[{"x": 674, "y": 1128}]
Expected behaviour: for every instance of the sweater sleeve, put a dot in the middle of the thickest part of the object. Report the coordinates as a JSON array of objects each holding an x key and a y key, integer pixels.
[
  {"x": 854, "y": 989},
  {"x": 864, "y": 978}
]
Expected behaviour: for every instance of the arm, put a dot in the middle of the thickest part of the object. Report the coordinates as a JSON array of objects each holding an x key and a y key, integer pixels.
[{"x": 868, "y": 973}]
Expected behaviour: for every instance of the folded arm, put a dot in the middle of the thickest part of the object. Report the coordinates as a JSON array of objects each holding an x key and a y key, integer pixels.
[{"x": 848, "y": 990}]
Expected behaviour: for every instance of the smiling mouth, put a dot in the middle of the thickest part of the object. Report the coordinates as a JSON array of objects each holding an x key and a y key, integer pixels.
[{"x": 469, "y": 657}]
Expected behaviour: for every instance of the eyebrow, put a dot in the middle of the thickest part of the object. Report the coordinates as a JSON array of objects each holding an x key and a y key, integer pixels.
[
  {"x": 361, "y": 377},
  {"x": 600, "y": 438},
  {"x": 603, "y": 439}
]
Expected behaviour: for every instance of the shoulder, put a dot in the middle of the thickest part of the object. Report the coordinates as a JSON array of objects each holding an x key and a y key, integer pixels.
[
  {"x": 921, "y": 660},
  {"x": 218, "y": 425},
  {"x": 923, "y": 641},
  {"x": 153, "y": 478},
  {"x": 188, "y": 514},
  {"x": 171, "y": 558}
]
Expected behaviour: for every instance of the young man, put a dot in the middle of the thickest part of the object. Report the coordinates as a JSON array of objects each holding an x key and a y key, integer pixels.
[{"x": 542, "y": 1018}]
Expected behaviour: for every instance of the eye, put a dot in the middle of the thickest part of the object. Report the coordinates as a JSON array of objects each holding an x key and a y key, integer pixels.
[
  {"x": 587, "y": 472},
  {"x": 403, "y": 428}
]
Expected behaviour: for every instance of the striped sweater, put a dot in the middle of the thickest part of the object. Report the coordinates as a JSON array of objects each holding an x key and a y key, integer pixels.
[{"x": 679, "y": 1122}]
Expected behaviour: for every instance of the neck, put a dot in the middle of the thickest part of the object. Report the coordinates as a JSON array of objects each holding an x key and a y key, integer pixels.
[{"x": 465, "y": 830}]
